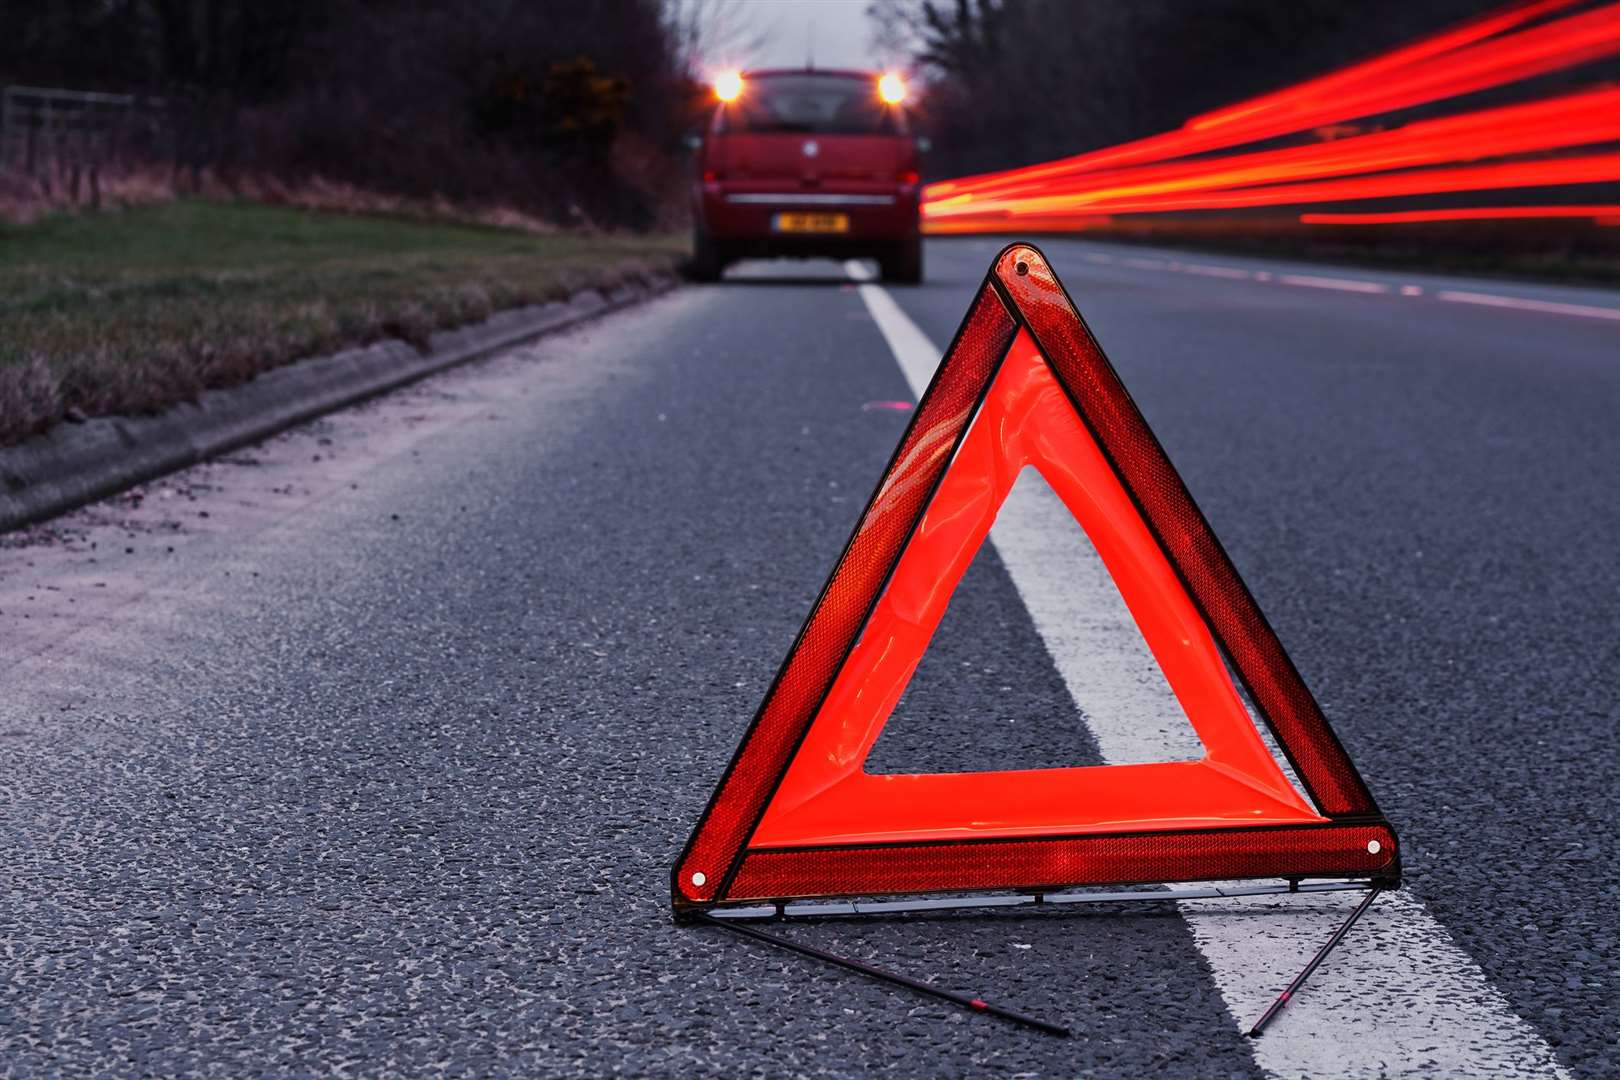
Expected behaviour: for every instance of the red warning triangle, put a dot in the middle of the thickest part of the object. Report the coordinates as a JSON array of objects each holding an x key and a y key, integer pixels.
[{"x": 1024, "y": 384}]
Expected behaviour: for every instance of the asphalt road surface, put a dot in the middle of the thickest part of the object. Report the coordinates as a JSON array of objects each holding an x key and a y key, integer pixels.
[{"x": 368, "y": 751}]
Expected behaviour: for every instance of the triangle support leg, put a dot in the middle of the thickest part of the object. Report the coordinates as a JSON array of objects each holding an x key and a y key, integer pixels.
[
  {"x": 1321, "y": 954},
  {"x": 882, "y": 975}
]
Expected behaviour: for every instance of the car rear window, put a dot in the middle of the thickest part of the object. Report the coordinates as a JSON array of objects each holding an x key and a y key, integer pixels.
[{"x": 810, "y": 104}]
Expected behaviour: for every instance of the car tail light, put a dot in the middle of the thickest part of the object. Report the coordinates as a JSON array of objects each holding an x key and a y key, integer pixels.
[
  {"x": 710, "y": 176},
  {"x": 908, "y": 176}
]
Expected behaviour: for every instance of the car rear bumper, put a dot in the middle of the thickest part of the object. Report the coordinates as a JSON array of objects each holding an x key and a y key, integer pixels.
[{"x": 745, "y": 218}]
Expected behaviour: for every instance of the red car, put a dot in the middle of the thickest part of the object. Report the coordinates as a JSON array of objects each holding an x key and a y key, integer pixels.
[{"x": 808, "y": 163}]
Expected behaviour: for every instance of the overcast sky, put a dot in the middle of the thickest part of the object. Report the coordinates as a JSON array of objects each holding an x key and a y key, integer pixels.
[{"x": 789, "y": 32}]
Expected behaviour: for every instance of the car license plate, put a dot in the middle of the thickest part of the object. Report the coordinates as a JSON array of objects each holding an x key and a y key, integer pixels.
[{"x": 811, "y": 223}]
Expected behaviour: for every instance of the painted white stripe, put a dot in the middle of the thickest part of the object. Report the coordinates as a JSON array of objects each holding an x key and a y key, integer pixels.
[
  {"x": 1519, "y": 303},
  {"x": 1311, "y": 281},
  {"x": 1398, "y": 997},
  {"x": 1215, "y": 271},
  {"x": 1341, "y": 284}
]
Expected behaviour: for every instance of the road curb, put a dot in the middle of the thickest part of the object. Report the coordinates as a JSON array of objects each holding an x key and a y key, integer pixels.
[{"x": 73, "y": 464}]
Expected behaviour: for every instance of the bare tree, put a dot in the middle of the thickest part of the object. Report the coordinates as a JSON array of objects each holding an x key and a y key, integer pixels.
[
  {"x": 896, "y": 35},
  {"x": 708, "y": 33}
]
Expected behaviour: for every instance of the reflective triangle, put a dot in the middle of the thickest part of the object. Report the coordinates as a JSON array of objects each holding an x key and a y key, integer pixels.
[{"x": 1024, "y": 385}]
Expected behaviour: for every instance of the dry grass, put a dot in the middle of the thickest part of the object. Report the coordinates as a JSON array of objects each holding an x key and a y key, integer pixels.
[
  {"x": 133, "y": 310},
  {"x": 26, "y": 199}
]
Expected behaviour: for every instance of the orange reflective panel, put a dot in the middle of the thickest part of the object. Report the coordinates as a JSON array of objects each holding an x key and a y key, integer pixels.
[{"x": 826, "y": 797}]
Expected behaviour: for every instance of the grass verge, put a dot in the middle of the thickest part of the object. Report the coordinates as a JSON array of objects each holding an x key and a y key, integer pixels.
[{"x": 135, "y": 310}]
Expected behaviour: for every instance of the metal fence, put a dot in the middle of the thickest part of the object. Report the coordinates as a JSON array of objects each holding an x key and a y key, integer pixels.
[{"x": 62, "y": 140}]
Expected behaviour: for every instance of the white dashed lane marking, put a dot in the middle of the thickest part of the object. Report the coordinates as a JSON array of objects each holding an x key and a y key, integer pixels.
[
  {"x": 1356, "y": 285},
  {"x": 1398, "y": 997},
  {"x": 1519, "y": 303},
  {"x": 1230, "y": 272},
  {"x": 1309, "y": 281}
]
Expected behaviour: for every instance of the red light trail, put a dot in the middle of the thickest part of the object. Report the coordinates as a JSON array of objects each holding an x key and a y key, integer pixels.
[
  {"x": 1530, "y": 142},
  {"x": 1603, "y": 215}
]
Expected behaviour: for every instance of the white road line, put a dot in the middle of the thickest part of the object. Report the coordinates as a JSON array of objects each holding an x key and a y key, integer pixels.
[
  {"x": 1517, "y": 303},
  {"x": 1205, "y": 270},
  {"x": 1398, "y": 997},
  {"x": 1311, "y": 281},
  {"x": 1341, "y": 284}
]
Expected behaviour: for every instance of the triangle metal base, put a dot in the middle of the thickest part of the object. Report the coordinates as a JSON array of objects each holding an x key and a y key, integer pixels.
[
  {"x": 738, "y": 919},
  {"x": 811, "y": 909}
]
